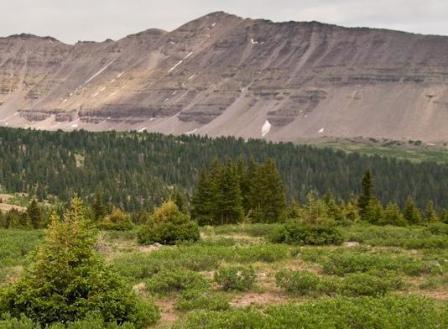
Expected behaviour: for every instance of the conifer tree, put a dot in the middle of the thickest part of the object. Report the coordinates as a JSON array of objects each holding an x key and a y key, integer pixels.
[
  {"x": 430, "y": 213},
  {"x": 367, "y": 193},
  {"x": 98, "y": 208},
  {"x": 204, "y": 199},
  {"x": 68, "y": 280},
  {"x": 267, "y": 199},
  {"x": 34, "y": 215},
  {"x": 229, "y": 204},
  {"x": 392, "y": 215},
  {"x": 373, "y": 213},
  {"x": 411, "y": 213},
  {"x": 444, "y": 216}
]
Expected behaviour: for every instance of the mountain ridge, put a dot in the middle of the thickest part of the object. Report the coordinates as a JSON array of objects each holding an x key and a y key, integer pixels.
[{"x": 225, "y": 75}]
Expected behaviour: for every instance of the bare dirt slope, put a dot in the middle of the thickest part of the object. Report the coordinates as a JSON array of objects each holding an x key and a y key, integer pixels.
[{"x": 224, "y": 75}]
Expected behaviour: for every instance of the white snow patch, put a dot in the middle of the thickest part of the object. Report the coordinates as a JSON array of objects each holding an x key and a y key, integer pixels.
[
  {"x": 142, "y": 130},
  {"x": 180, "y": 62},
  {"x": 99, "y": 72},
  {"x": 191, "y": 77},
  {"x": 172, "y": 42},
  {"x": 214, "y": 24},
  {"x": 65, "y": 100},
  {"x": 108, "y": 118},
  {"x": 112, "y": 81},
  {"x": 175, "y": 66},
  {"x": 191, "y": 131},
  {"x": 102, "y": 89},
  {"x": 321, "y": 131},
  {"x": 254, "y": 42},
  {"x": 75, "y": 125},
  {"x": 266, "y": 128},
  {"x": 166, "y": 100},
  {"x": 152, "y": 119},
  {"x": 119, "y": 75}
]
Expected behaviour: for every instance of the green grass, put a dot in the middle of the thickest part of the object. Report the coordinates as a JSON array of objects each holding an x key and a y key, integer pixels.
[
  {"x": 358, "y": 286},
  {"x": 398, "y": 150}
]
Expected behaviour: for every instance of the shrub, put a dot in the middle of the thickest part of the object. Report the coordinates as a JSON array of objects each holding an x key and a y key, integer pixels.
[
  {"x": 202, "y": 299},
  {"x": 235, "y": 278},
  {"x": 298, "y": 233},
  {"x": 168, "y": 281},
  {"x": 348, "y": 313},
  {"x": 351, "y": 262},
  {"x": 356, "y": 284},
  {"x": 117, "y": 220},
  {"x": 302, "y": 283},
  {"x": 92, "y": 321},
  {"x": 68, "y": 280},
  {"x": 365, "y": 284},
  {"x": 168, "y": 225}
]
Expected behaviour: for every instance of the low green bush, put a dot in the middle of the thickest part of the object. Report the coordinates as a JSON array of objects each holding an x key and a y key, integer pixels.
[
  {"x": 366, "y": 284},
  {"x": 117, "y": 220},
  {"x": 202, "y": 299},
  {"x": 176, "y": 280},
  {"x": 295, "y": 282},
  {"x": 295, "y": 232},
  {"x": 348, "y": 313},
  {"x": 235, "y": 277},
  {"x": 353, "y": 285},
  {"x": 195, "y": 257},
  {"x": 92, "y": 321},
  {"x": 168, "y": 226},
  {"x": 342, "y": 262}
]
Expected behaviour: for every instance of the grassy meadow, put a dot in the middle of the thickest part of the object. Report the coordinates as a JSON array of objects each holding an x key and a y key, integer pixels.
[{"x": 234, "y": 277}]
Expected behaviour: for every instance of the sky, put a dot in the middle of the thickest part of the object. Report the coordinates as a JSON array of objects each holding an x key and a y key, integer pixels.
[{"x": 97, "y": 20}]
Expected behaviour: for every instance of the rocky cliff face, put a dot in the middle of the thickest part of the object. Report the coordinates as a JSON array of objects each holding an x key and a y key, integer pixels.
[{"x": 223, "y": 75}]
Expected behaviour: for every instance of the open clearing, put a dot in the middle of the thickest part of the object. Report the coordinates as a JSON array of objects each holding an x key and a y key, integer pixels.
[{"x": 414, "y": 260}]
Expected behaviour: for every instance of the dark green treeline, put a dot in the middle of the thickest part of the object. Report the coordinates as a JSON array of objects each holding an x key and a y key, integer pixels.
[{"x": 139, "y": 170}]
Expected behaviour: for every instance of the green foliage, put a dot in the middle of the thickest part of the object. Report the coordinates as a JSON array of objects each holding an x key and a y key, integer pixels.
[
  {"x": 225, "y": 192},
  {"x": 117, "y": 220},
  {"x": 175, "y": 280},
  {"x": 430, "y": 213},
  {"x": 301, "y": 283},
  {"x": 196, "y": 257},
  {"x": 369, "y": 284},
  {"x": 295, "y": 232},
  {"x": 354, "y": 284},
  {"x": 35, "y": 215},
  {"x": 168, "y": 225},
  {"x": 144, "y": 165},
  {"x": 367, "y": 194},
  {"x": 67, "y": 280},
  {"x": 430, "y": 237},
  {"x": 92, "y": 321},
  {"x": 392, "y": 216},
  {"x": 411, "y": 213},
  {"x": 341, "y": 263},
  {"x": 348, "y": 313},
  {"x": 240, "y": 278},
  {"x": 202, "y": 299},
  {"x": 99, "y": 209}
]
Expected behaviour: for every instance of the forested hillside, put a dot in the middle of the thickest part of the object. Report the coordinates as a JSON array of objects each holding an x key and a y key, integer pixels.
[{"x": 138, "y": 170}]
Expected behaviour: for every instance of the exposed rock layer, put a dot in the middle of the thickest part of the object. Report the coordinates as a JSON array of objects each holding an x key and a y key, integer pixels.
[{"x": 223, "y": 75}]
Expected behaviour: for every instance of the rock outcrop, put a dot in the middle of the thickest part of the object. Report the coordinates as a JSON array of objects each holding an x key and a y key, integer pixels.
[{"x": 224, "y": 75}]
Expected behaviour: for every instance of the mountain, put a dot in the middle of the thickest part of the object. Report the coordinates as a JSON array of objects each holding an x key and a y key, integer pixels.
[{"x": 224, "y": 75}]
